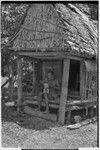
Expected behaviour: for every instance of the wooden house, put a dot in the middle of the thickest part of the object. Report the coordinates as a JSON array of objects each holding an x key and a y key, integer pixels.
[{"x": 64, "y": 39}]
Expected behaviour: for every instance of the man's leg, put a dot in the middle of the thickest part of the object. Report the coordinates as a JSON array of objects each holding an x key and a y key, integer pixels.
[{"x": 47, "y": 102}]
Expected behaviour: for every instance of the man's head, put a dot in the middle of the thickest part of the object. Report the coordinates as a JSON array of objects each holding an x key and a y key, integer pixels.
[{"x": 50, "y": 74}]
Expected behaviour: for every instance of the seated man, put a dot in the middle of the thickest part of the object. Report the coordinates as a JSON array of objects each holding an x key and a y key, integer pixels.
[{"x": 50, "y": 90}]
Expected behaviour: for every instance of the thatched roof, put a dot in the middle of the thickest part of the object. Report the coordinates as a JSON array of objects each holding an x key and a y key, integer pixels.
[{"x": 60, "y": 28}]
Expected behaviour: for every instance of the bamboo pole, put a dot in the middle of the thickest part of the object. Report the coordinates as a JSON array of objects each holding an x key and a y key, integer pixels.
[{"x": 64, "y": 91}]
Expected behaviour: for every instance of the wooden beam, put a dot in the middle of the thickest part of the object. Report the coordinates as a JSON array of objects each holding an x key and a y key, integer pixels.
[
  {"x": 43, "y": 55},
  {"x": 64, "y": 91},
  {"x": 30, "y": 111},
  {"x": 19, "y": 83},
  {"x": 74, "y": 57}
]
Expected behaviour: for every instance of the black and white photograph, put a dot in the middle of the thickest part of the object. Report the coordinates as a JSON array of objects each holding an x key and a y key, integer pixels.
[{"x": 50, "y": 74}]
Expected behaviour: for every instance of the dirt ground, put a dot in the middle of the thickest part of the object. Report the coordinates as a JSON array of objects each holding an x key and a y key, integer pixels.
[{"x": 35, "y": 133}]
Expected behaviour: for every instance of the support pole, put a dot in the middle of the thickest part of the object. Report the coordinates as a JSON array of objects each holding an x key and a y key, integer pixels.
[
  {"x": 86, "y": 85},
  {"x": 43, "y": 70},
  {"x": 64, "y": 90},
  {"x": 33, "y": 90},
  {"x": 68, "y": 117},
  {"x": 81, "y": 80},
  {"x": 11, "y": 82},
  {"x": 19, "y": 84}
]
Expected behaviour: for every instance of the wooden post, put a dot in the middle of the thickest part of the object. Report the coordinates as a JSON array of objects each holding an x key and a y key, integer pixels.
[
  {"x": 68, "y": 117},
  {"x": 33, "y": 90},
  {"x": 43, "y": 68},
  {"x": 11, "y": 82},
  {"x": 81, "y": 80},
  {"x": 64, "y": 90},
  {"x": 86, "y": 85},
  {"x": 19, "y": 83}
]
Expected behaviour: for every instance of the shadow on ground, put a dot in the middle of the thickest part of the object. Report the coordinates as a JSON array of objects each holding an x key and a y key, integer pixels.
[{"x": 9, "y": 114}]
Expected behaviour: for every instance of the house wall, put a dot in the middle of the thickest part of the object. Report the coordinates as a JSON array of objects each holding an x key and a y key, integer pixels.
[{"x": 89, "y": 83}]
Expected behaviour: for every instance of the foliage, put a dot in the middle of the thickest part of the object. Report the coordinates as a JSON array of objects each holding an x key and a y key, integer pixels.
[
  {"x": 90, "y": 9},
  {"x": 11, "y": 14},
  {"x": 11, "y": 18}
]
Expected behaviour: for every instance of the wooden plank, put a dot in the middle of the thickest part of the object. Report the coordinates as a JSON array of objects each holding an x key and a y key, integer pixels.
[
  {"x": 69, "y": 102},
  {"x": 43, "y": 104},
  {"x": 64, "y": 90},
  {"x": 47, "y": 116},
  {"x": 55, "y": 106},
  {"x": 74, "y": 126},
  {"x": 19, "y": 84},
  {"x": 80, "y": 124},
  {"x": 31, "y": 99}
]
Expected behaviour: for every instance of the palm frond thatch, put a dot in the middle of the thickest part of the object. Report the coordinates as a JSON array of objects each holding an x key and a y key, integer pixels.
[{"x": 57, "y": 28}]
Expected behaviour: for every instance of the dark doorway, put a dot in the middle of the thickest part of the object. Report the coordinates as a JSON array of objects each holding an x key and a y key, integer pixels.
[{"x": 74, "y": 78}]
